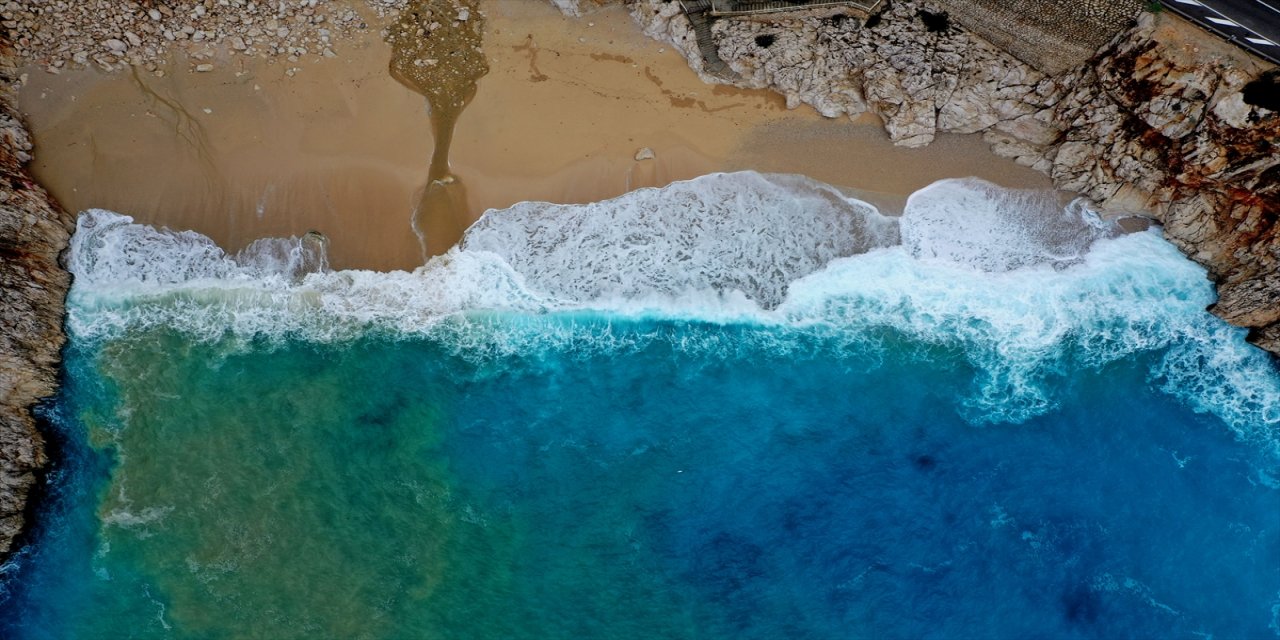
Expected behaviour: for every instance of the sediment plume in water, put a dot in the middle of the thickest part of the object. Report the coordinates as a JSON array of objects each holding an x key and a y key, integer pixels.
[{"x": 436, "y": 52}]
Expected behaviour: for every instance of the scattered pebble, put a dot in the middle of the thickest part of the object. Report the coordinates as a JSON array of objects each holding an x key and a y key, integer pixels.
[{"x": 116, "y": 34}]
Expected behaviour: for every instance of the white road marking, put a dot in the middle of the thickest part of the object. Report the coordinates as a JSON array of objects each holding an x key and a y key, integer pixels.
[
  {"x": 1253, "y": 37},
  {"x": 1268, "y": 6}
]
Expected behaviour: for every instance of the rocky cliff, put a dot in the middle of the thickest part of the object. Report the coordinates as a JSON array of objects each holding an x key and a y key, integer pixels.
[
  {"x": 1156, "y": 123},
  {"x": 33, "y": 231}
]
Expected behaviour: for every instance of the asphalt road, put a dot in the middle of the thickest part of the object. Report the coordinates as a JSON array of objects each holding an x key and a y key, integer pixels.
[{"x": 1252, "y": 24}]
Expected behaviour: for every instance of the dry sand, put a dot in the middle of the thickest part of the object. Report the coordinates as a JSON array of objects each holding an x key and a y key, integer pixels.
[{"x": 245, "y": 151}]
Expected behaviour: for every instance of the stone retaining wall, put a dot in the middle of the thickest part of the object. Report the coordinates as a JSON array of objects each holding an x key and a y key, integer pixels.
[{"x": 1052, "y": 36}]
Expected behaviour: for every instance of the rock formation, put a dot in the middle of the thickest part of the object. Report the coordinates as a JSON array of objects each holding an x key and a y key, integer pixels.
[
  {"x": 1154, "y": 124},
  {"x": 33, "y": 232}
]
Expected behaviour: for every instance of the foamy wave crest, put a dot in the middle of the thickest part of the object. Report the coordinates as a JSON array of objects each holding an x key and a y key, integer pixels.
[
  {"x": 108, "y": 249},
  {"x": 1025, "y": 306},
  {"x": 991, "y": 228},
  {"x": 322, "y": 306},
  {"x": 1023, "y": 328},
  {"x": 743, "y": 232}
]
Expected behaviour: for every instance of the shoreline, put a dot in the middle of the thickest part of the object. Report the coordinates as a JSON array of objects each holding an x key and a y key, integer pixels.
[{"x": 341, "y": 148}]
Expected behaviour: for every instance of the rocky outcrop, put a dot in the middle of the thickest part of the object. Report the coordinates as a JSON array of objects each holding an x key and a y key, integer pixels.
[
  {"x": 1154, "y": 124},
  {"x": 917, "y": 79},
  {"x": 33, "y": 231}
]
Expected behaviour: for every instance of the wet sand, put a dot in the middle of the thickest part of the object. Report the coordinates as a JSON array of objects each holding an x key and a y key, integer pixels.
[{"x": 342, "y": 148}]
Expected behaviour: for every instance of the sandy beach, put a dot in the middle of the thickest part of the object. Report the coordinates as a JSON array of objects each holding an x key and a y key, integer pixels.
[{"x": 247, "y": 150}]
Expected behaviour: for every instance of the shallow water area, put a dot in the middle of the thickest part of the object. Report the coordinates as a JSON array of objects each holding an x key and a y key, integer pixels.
[{"x": 825, "y": 423}]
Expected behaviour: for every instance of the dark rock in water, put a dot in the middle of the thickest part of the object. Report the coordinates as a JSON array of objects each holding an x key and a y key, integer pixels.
[
  {"x": 925, "y": 462},
  {"x": 33, "y": 232}
]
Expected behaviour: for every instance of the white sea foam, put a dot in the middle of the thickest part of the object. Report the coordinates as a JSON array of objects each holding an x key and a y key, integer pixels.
[
  {"x": 109, "y": 250},
  {"x": 974, "y": 273},
  {"x": 743, "y": 232},
  {"x": 973, "y": 222}
]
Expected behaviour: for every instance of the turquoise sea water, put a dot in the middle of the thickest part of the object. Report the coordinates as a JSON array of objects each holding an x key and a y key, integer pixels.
[{"x": 739, "y": 407}]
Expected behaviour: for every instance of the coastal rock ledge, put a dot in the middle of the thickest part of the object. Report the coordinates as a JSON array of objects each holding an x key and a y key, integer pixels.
[
  {"x": 1155, "y": 124},
  {"x": 34, "y": 230}
]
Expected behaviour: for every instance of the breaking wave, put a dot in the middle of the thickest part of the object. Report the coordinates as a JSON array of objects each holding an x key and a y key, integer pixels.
[
  {"x": 1025, "y": 288},
  {"x": 746, "y": 233}
]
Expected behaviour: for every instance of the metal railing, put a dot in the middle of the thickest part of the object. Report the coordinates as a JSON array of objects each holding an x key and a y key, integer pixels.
[{"x": 724, "y": 8}]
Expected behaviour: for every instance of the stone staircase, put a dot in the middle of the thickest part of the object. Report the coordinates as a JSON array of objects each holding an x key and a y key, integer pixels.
[
  {"x": 721, "y": 8},
  {"x": 700, "y": 16}
]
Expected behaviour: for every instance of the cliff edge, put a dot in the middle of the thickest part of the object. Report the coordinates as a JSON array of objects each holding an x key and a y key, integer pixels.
[{"x": 33, "y": 288}]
